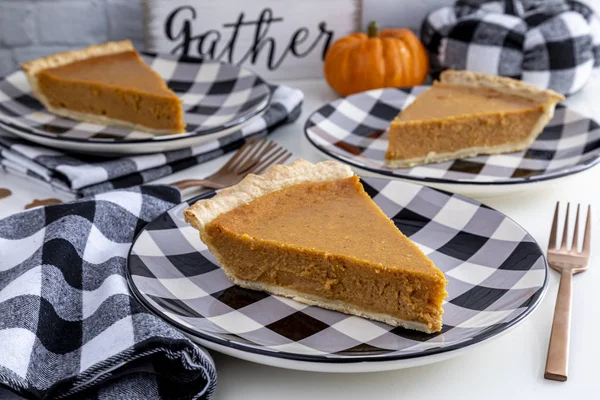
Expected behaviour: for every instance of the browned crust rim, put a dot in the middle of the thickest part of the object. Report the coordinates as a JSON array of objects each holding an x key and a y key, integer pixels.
[
  {"x": 500, "y": 84},
  {"x": 34, "y": 67},
  {"x": 253, "y": 186}
]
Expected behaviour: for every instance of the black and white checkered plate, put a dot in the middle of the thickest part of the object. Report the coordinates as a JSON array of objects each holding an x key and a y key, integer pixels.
[
  {"x": 354, "y": 130},
  {"x": 216, "y": 96},
  {"x": 496, "y": 275}
]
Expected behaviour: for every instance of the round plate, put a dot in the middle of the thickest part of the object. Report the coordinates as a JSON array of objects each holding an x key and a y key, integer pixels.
[
  {"x": 123, "y": 148},
  {"x": 496, "y": 275},
  {"x": 216, "y": 97},
  {"x": 354, "y": 130}
]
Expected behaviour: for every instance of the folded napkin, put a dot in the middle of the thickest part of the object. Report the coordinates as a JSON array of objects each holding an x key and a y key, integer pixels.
[
  {"x": 85, "y": 175},
  {"x": 69, "y": 326}
]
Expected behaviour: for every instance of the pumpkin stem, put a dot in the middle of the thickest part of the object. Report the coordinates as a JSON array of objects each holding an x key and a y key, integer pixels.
[{"x": 372, "y": 29}]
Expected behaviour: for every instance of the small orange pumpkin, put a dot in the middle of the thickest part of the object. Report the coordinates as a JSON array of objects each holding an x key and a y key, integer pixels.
[{"x": 390, "y": 58}]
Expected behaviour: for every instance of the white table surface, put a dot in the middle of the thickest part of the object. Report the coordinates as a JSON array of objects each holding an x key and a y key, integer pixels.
[{"x": 510, "y": 366}]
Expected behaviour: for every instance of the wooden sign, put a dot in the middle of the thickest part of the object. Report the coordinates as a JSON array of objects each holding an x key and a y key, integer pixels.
[{"x": 276, "y": 38}]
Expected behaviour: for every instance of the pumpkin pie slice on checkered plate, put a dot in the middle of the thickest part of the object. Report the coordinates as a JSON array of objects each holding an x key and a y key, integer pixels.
[
  {"x": 465, "y": 114},
  {"x": 106, "y": 84},
  {"x": 311, "y": 232}
]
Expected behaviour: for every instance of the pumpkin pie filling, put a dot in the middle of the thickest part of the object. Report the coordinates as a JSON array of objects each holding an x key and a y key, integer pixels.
[
  {"x": 327, "y": 243},
  {"x": 454, "y": 101},
  {"x": 107, "y": 84},
  {"x": 467, "y": 114}
]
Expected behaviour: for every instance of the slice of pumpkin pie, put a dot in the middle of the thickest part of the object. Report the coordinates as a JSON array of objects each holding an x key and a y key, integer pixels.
[
  {"x": 465, "y": 114},
  {"x": 106, "y": 84},
  {"x": 312, "y": 233}
]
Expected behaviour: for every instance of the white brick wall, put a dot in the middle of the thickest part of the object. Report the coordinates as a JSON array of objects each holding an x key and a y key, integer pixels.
[{"x": 35, "y": 28}]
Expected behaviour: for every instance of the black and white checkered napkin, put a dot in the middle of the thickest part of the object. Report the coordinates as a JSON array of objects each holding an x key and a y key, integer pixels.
[
  {"x": 551, "y": 44},
  {"x": 70, "y": 327},
  {"x": 85, "y": 175}
]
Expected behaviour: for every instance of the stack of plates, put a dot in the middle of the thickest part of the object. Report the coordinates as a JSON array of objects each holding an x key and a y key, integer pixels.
[{"x": 217, "y": 99}]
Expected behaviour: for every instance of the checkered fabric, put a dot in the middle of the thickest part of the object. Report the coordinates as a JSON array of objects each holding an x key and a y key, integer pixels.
[
  {"x": 551, "y": 44},
  {"x": 215, "y": 96},
  {"x": 87, "y": 175},
  {"x": 70, "y": 327},
  {"x": 496, "y": 276},
  {"x": 354, "y": 130}
]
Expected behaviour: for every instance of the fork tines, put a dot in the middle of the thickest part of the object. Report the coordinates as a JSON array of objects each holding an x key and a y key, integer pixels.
[
  {"x": 278, "y": 156},
  {"x": 564, "y": 246},
  {"x": 256, "y": 155}
]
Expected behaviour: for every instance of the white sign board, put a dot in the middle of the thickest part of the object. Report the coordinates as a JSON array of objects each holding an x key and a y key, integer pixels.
[{"x": 275, "y": 38}]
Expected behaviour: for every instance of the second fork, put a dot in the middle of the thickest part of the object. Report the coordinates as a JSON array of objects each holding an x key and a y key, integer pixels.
[
  {"x": 254, "y": 156},
  {"x": 568, "y": 261}
]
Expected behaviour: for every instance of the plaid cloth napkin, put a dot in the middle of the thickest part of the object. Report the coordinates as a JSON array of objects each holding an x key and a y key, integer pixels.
[
  {"x": 553, "y": 44},
  {"x": 69, "y": 327},
  {"x": 84, "y": 175}
]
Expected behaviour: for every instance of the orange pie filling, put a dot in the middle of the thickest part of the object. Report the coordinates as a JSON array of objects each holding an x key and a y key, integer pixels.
[
  {"x": 107, "y": 84},
  {"x": 465, "y": 114},
  {"x": 112, "y": 88},
  {"x": 330, "y": 241},
  {"x": 448, "y": 119}
]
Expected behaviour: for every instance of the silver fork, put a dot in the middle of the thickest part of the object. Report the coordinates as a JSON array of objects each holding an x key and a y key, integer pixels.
[
  {"x": 568, "y": 261},
  {"x": 255, "y": 156}
]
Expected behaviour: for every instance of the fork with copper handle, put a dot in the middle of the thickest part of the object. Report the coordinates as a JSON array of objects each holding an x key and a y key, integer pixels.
[
  {"x": 567, "y": 261},
  {"x": 255, "y": 156}
]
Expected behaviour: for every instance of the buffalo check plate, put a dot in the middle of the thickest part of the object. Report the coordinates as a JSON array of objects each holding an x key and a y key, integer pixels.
[
  {"x": 496, "y": 275},
  {"x": 354, "y": 130},
  {"x": 216, "y": 97}
]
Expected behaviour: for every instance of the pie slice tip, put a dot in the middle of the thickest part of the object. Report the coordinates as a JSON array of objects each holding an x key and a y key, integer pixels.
[{"x": 310, "y": 232}]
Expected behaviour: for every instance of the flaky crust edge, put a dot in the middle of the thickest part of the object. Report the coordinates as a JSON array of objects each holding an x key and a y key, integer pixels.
[
  {"x": 34, "y": 67},
  {"x": 501, "y": 84},
  {"x": 253, "y": 186}
]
